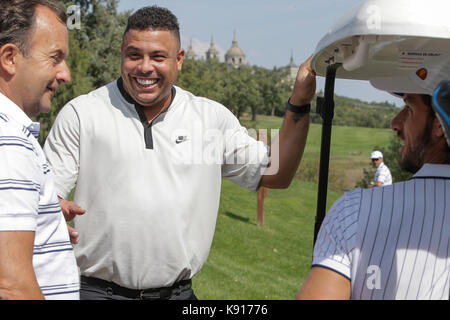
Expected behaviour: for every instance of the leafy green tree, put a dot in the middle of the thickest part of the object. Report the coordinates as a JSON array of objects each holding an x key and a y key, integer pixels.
[
  {"x": 78, "y": 62},
  {"x": 247, "y": 88},
  {"x": 233, "y": 84},
  {"x": 354, "y": 112},
  {"x": 274, "y": 91},
  {"x": 94, "y": 54},
  {"x": 102, "y": 28},
  {"x": 250, "y": 97}
]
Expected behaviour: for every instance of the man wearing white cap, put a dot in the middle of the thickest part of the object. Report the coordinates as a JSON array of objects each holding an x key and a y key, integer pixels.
[{"x": 383, "y": 175}]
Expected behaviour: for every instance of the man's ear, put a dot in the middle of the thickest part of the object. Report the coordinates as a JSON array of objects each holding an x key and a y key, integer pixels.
[
  {"x": 9, "y": 56},
  {"x": 437, "y": 129},
  {"x": 180, "y": 58}
]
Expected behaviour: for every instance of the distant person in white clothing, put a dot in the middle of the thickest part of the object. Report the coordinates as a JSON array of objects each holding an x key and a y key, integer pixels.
[
  {"x": 36, "y": 255},
  {"x": 383, "y": 175}
]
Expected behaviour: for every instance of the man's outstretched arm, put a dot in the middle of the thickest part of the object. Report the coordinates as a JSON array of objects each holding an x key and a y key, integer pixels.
[{"x": 291, "y": 141}]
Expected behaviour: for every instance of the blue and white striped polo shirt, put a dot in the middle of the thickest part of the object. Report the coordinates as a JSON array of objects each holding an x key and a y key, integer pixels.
[
  {"x": 28, "y": 202},
  {"x": 392, "y": 242}
]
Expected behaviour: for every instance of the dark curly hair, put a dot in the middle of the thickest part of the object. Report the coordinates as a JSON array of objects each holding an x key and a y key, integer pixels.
[
  {"x": 17, "y": 20},
  {"x": 156, "y": 18}
]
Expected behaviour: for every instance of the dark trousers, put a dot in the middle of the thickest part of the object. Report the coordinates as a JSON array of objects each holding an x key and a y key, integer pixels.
[{"x": 97, "y": 289}]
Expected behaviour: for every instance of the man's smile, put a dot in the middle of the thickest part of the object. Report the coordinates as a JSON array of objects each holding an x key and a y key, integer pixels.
[{"x": 146, "y": 83}]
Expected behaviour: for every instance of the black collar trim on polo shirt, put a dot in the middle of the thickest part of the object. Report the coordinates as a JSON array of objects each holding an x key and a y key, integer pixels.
[{"x": 139, "y": 109}]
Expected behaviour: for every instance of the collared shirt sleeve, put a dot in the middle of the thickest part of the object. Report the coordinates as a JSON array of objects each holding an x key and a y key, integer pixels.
[
  {"x": 62, "y": 150},
  {"x": 337, "y": 235},
  {"x": 20, "y": 175},
  {"x": 245, "y": 159}
]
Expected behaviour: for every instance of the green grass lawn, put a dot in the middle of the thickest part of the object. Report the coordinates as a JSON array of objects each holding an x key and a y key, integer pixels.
[
  {"x": 346, "y": 141},
  {"x": 268, "y": 262},
  {"x": 349, "y": 153}
]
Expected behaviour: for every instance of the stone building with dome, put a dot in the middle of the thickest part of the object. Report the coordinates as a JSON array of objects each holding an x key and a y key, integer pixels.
[
  {"x": 212, "y": 52},
  {"x": 190, "y": 53},
  {"x": 292, "y": 70},
  {"x": 235, "y": 57}
]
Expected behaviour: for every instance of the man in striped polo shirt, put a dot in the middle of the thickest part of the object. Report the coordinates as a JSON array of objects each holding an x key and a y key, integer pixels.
[
  {"x": 36, "y": 255},
  {"x": 393, "y": 242}
]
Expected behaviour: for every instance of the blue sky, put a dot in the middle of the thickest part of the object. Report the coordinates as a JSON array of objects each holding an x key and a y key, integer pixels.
[{"x": 267, "y": 31}]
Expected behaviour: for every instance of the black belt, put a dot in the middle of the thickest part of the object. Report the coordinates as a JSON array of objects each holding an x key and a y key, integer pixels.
[{"x": 155, "y": 293}]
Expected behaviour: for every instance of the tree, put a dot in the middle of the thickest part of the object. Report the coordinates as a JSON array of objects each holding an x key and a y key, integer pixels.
[
  {"x": 249, "y": 91},
  {"x": 78, "y": 62},
  {"x": 273, "y": 90},
  {"x": 102, "y": 28},
  {"x": 94, "y": 54},
  {"x": 247, "y": 88}
]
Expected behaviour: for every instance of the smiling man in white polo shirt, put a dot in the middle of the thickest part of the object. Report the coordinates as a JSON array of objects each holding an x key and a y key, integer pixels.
[
  {"x": 148, "y": 158},
  {"x": 36, "y": 256}
]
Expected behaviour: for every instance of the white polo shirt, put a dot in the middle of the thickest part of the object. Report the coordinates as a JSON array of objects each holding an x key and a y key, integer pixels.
[
  {"x": 151, "y": 191},
  {"x": 383, "y": 175},
  {"x": 392, "y": 242},
  {"x": 28, "y": 202}
]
